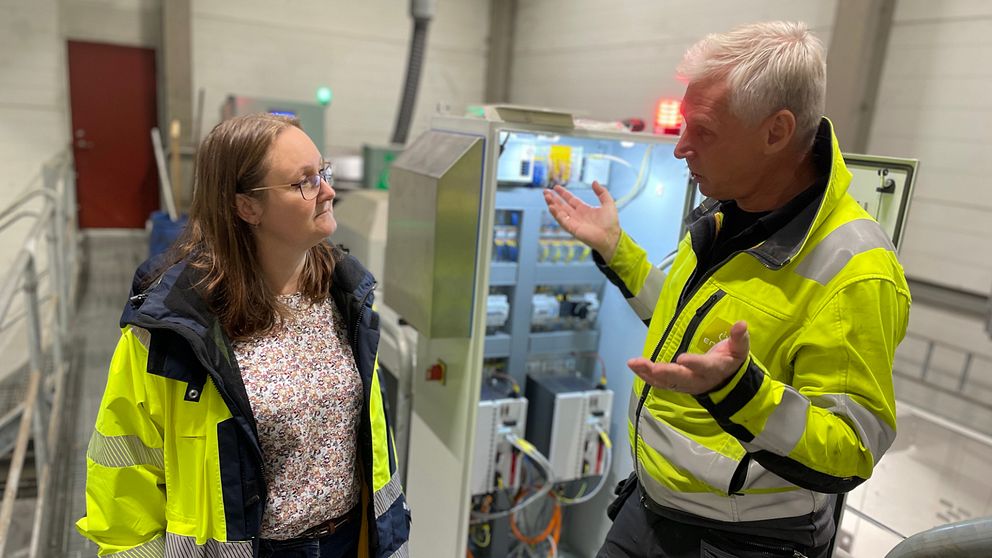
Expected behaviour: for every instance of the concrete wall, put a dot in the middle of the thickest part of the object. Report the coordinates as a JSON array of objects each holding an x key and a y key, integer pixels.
[
  {"x": 32, "y": 94},
  {"x": 934, "y": 104},
  {"x": 612, "y": 60},
  {"x": 285, "y": 50},
  {"x": 120, "y": 22}
]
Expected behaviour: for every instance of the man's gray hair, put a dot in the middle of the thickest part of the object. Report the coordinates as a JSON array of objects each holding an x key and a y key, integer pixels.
[{"x": 767, "y": 67}]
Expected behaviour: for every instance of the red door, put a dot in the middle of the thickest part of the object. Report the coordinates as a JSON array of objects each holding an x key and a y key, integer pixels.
[{"x": 112, "y": 98}]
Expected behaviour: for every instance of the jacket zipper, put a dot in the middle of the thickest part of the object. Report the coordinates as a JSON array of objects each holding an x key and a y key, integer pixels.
[
  {"x": 683, "y": 302},
  {"x": 769, "y": 549},
  {"x": 370, "y": 512},
  {"x": 358, "y": 322},
  {"x": 690, "y": 331}
]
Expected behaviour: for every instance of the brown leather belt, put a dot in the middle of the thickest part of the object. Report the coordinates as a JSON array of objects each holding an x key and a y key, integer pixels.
[{"x": 330, "y": 526}]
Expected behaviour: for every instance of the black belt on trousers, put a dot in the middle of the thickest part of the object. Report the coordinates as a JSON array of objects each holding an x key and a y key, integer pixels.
[{"x": 331, "y": 525}]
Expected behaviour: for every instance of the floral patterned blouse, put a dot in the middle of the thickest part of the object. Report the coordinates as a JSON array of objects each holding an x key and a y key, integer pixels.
[{"x": 306, "y": 395}]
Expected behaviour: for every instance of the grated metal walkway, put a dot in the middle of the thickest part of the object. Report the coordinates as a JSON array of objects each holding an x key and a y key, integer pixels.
[{"x": 109, "y": 258}]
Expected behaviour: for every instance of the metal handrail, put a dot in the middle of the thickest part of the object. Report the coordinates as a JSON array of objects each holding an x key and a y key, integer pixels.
[
  {"x": 965, "y": 539},
  {"x": 964, "y": 375},
  {"x": 40, "y": 410},
  {"x": 970, "y": 538}
]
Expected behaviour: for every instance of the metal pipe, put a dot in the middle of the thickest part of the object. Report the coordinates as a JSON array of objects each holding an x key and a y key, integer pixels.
[
  {"x": 57, "y": 255},
  {"x": 17, "y": 460},
  {"x": 24, "y": 198},
  {"x": 415, "y": 61},
  {"x": 9, "y": 286},
  {"x": 964, "y": 371},
  {"x": 39, "y": 512},
  {"x": 926, "y": 360},
  {"x": 13, "y": 277},
  {"x": 964, "y": 539},
  {"x": 30, "y": 287}
]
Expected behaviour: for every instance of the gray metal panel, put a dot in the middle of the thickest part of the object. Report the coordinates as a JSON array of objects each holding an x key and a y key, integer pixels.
[
  {"x": 435, "y": 191},
  {"x": 569, "y": 274},
  {"x": 565, "y": 341},
  {"x": 502, "y": 274},
  {"x": 311, "y": 115},
  {"x": 497, "y": 346}
]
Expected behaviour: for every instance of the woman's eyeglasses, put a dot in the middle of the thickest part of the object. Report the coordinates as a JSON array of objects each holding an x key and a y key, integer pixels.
[{"x": 309, "y": 186}]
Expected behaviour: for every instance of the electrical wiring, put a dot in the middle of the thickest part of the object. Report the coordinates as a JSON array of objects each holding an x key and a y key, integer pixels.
[
  {"x": 486, "y": 538},
  {"x": 639, "y": 182},
  {"x": 530, "y": 451},
  {"x": 613, "y": 158},
  {"x": 551, "y": 530},
  {"x": 554, "y": 547},
  {"x": 507, "y": 378},
  {"x": 602, "y": 365},
  {"x": 607, "y": 463}
]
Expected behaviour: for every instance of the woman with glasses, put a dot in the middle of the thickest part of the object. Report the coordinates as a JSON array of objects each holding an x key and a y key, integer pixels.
[{"x": 243, "y": 414}]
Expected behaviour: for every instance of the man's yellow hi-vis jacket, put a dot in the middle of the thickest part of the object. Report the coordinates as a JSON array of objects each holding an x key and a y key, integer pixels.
[
  {"x": 174, "y": 467},
  {"x": 812, "y": 410}
]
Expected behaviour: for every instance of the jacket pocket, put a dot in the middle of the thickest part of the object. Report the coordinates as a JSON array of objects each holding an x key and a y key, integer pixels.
[
  {"x": 393, "y": 528},
  {"x": 742, "y": 546}
]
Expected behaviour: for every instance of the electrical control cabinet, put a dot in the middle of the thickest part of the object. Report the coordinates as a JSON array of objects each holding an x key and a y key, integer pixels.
[
  {"x": 495, "y": 462},
  {"x": 567, "y": 415},
  {"x": 495, "y": 287}
]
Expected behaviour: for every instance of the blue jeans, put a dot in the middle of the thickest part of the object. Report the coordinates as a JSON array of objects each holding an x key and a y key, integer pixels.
[{"x": 343, "y": 543}]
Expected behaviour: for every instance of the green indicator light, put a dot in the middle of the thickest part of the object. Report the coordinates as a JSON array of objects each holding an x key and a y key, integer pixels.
[{"x": 324, "y": 95}]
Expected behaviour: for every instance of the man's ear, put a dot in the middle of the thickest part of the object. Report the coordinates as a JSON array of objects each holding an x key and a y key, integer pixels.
[
  {"x": 780, "y": 128},
  {"x": 249, "y": 209}
]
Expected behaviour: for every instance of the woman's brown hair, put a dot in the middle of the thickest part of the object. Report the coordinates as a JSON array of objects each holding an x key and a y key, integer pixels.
[{"x": 232, "y": 160}]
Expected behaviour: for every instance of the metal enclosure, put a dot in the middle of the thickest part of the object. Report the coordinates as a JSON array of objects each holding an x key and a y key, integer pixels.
[
  {"x": 453, "y": 201},
  {"x": 361, "y": 216},
  {"x": 433, "y": 229},
  {"x": 311, "y": 115},
  {"x": 574, "y": 409}
]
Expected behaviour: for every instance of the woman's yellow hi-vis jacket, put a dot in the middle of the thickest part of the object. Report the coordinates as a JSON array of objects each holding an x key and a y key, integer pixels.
[
  {"x": 812, "y": 410},
  {"x": 174, "y": 467}
]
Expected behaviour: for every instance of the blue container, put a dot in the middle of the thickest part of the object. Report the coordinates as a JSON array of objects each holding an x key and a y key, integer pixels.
[{"x": 165, "y": 231}]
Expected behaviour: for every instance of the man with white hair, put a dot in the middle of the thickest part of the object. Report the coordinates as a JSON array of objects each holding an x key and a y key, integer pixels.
[{"x": 765, "y": 383}]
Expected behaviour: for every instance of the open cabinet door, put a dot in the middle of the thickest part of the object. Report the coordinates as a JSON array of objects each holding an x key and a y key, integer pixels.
[{"x": 884, "y": 187}]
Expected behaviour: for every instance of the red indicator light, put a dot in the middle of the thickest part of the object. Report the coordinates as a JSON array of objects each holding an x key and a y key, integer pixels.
[{"x": 667, "y": 117}]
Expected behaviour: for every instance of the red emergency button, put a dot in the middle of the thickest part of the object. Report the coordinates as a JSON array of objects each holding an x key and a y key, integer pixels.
[{"x": 436, "y": 371}]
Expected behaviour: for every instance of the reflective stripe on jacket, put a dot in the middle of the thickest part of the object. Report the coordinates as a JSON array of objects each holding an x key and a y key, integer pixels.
[
  {"x": 174, "y": 467},
  {"x": 812, "y": 409}
]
